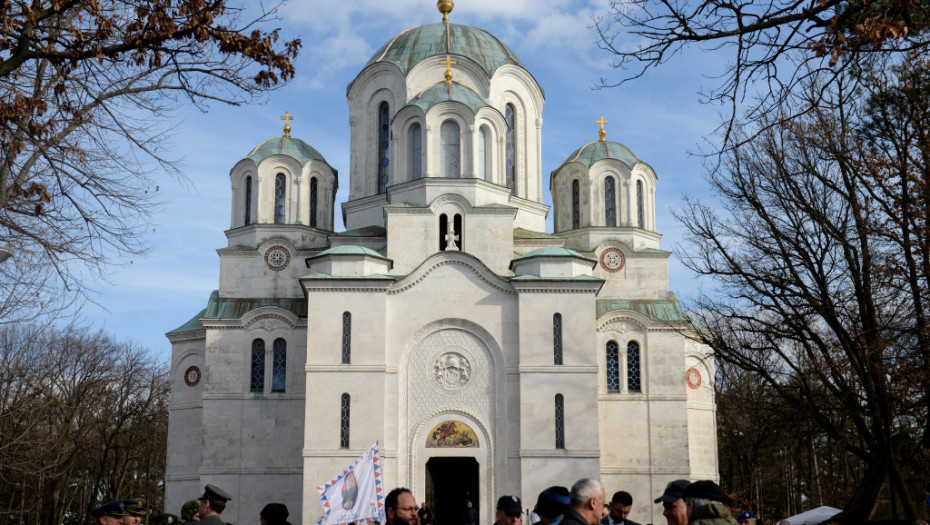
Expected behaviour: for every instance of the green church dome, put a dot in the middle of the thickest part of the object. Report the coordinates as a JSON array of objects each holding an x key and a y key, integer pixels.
[
  {"x": 442, "y": 92},
  {"x": 295, "y": 148},
  {"x": 416, "y": 44},
  {"x": 600, "y": 150}
]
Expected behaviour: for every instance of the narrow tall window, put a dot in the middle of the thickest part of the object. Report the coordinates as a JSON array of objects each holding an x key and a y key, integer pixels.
[
  {"x": 248, "y": 201},
  {"x": 450, "y": 139},
  {"x": 510, "y": 115},
  {"x": 344, "y": 422},
  {"x": 415, "y": 139},
  {"x": 443, "y": 231},
  {"x": 313, "y": 201},
  {"x": 613, "y": 367},
  {"x": 384, "y": 142},
  {"x": 610, "y": 202},
  {"x": 280, "y": 195},
  {"x": 279, "y": 365},
  {"x": 457, "y": 236},
  {"x": 576, "y": 205},
  {"x": 257, "y": 376},
  {"x": 632, "y": 367},
  {"x": 484, "y": 153},
  {"x": 346, "y": 338},
  {"x": 559, "y": 421},
  {"x": 640, "y": 205},
  {"x": 557, "y": 338}
]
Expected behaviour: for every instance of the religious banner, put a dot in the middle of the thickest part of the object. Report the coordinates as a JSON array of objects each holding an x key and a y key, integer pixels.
[{"x": 355, "y": 495}]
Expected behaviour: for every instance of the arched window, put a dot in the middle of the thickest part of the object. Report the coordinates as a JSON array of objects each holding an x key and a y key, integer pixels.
[
  {"x": 450, "y": 139},
  {"x": 346, "y": 338},
  {"x": 610, "y": 202},
  {"x": 557, "y": 338},
  {"x": 576, "y": 204},
  {"x": 640, "y": 205},
  {"x": 279, "y": 365},
  {"x": 450, "y": 235},
  {"x": 632, "y": 367},
  {"x": 510, "y": 115},
  {"x": 559, "y": 421},
  {"x": 344, "y": 422},
  {"x": 484, "y": 153},
  {"x": 384, "y": 141},
  {"x": 415, "y": 140},
  {"x": 257, "y": 375},
  {"x": 313, "y": 201},
  {"x": 248, "y": 201},
  {"x": 280, "y": 197},
  {"x": 613, "y": 367}
]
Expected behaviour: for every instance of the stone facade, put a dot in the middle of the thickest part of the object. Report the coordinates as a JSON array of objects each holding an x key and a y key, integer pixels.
[{"x": 445, "y": 301}]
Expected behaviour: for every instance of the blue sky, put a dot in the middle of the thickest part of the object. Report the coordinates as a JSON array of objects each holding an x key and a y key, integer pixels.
[{"x": 658, "y": 117}]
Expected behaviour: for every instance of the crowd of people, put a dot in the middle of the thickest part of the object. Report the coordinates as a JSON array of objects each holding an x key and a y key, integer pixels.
[{"x": 684, "y": 503}]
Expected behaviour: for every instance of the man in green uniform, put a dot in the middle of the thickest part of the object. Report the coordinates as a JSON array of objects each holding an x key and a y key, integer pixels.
[{"x": 212, "y": 504}]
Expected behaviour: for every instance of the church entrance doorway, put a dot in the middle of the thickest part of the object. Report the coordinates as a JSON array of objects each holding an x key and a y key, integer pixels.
[{"x": 449, "y": 482}]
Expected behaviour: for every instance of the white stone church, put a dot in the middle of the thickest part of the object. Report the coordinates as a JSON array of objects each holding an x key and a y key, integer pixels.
[{"x": 486, "y": 355}]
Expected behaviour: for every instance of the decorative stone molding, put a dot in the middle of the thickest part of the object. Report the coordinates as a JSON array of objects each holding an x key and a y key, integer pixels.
[{"x": 455, "y": 258}]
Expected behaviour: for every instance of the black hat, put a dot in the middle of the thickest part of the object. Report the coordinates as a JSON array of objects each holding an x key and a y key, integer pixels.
[
  {"x": 553, "y": 502},
  {"x": 275, "y": 513},
  {"x": 112, "y": 508},
  {"x": 673, "y": 491},
  {"x": 215, "y": 493},
  {"x": 135, "y": 506},
  {"x": 510, "y": 505},
  {"x": 705, "y": 489},
  {"x": 164, "y": 519}
]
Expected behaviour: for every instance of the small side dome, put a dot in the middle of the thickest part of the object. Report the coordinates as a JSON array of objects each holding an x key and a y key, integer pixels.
[
  {"x": 296, "y": 148},
  {"x": 600, "y": 150},
  {"x": 442, "y": 92}
]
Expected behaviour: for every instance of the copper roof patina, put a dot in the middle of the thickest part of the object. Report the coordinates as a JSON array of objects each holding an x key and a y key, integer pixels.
[
  {"x": 294, "y": 148},
  {"x": 600, "y": 150}
]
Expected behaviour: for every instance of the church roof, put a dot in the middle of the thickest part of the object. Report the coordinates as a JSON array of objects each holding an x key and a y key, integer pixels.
[
  {"x": 598, "y": 150},
  {"x": 442, "y": 92},
  {"x": 413, "y": 45},
  {"x": 553, "y": 251},
  {"x": 350, "y": 250},
  {"x": 295, "y": 148},
  {"x": 662, "y": 310}
]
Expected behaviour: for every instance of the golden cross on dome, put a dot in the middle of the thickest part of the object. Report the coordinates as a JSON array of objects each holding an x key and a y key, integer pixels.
[
  {"x": 448, "y": 62},
  {"x": 287, "y": 126},
  {"x": 602, "y": 133}
]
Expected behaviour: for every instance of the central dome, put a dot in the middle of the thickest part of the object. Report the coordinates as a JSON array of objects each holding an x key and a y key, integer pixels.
[{"x": 418, "y": 43}]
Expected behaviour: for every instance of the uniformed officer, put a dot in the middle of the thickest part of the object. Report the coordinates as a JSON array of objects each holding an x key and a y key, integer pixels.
[
  {"x": 135, "y": 510},
  {"x": 190, "y": 511},
  {"x": 212, "y": 504},
  {"x": 110, "y": 513},
  {"x": 165, "y": 519}
]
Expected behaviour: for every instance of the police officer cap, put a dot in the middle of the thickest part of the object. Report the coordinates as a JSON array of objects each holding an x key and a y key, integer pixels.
[
  {"x": 164, "y": 519},
  {"x": 215, "y": 493},
  {"x": 112, "y": 508},
  {"x": 135, "y": 506}
]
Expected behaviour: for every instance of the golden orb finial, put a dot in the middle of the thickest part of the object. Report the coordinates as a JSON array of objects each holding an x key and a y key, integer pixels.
[
  {"x": 602, "y": 133},
  {"x": 287, "y": 118},
  {"x": 448, "y": 62},
  {"x": 445, "y": 7}
]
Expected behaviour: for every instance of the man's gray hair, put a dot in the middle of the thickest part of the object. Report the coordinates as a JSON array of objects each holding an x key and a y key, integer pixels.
[
  {"x": 585, "y": 489},
  {"x": 701, "y": 502}
]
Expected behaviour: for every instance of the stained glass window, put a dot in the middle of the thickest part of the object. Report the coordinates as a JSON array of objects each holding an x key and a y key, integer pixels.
[
  {"x": 384, "y": 142},
  {"x": 450, "y": 137},
  {"x": 510, "y": 115},
  {"x": 346, "y": 338},
  {"x": 613, "y": 367},
  {"x": 640, "y": 205},
  {"x": 313, "y": 201},
  {"x": 248, "y": 200},
  {"x": 633, "y": 367},
  {"x": 559, "y": 421},
  {"x": 279, "y": 365},
  {"x": 557, "y": 338},
  {"x": 257, "y": 376},
  {"x": 610, "y": 202},
  {"x": 576, "y": 204},
  {"x": 344, "y": 422},
  {"x": 415, "y": 138},
  {"x": 280, "y": 194}
]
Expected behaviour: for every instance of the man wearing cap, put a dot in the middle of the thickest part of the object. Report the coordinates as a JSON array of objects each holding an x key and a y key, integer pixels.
[
  {"x": 509, "y": 511},
  {"x": 620, "y": 505},
  {"x": 275, "y": 514},
  {"x": 551, "y": 505},
  {"x": 747, "y": 517},
  {"x": 707, "y": 504},
  {"x": 212, "y": 504},
  {"x": 135, "y": 510},
  {"x": 400, "y": 507},
  {"x": 674, "y": 508},
  {"x": 586, "y": 500},
  {"x": 190, "y": 511},
  {"x": 110, "y": 513},
  {"x": 164, "y": 519}
]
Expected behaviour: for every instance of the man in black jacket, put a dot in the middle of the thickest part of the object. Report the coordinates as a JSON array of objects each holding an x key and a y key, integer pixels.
[
  {"x": 620, "y": 506},
  {"x": 586, "y": 501}
]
